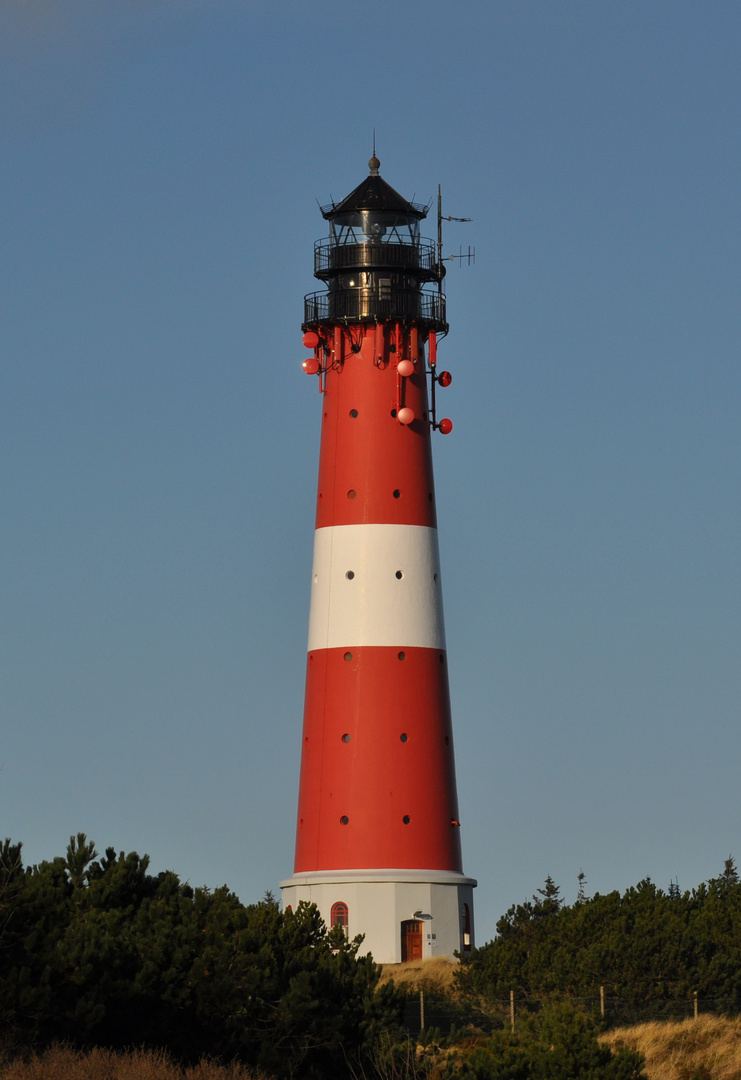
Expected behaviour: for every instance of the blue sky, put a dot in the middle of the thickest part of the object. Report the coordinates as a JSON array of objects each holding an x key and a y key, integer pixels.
[{"x": 161, "y": 166}]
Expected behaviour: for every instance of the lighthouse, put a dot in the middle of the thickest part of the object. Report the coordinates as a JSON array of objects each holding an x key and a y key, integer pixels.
[{"x": 378, "y": 845}]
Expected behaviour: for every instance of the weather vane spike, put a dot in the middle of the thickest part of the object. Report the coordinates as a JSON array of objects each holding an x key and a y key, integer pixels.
[{"x": 374, "y": 164}]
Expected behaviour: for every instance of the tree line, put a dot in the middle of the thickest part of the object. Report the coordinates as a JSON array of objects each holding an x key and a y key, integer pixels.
[
  {"x": 646, "y": 946},
  {"x": 96, "y": 951}
]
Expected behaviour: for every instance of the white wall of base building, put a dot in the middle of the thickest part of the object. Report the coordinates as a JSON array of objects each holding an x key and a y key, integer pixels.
[{"x": 379, "y": 901}]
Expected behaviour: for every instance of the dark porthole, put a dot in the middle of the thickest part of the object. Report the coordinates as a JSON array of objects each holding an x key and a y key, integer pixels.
[
  {"x": 354, "y": 413},
  {"x": 346, "y": 738},
  {"x": 429, "y": 496},
  {"x": 406, "y": 819},
  {"x": 447, "y": 740},
  {"x": 399, "y": 575},
  {"x": 397, "y": 494},
  {"x": 404, "y": 736},
  {"x": 402, "y": 655},
  {"x": 351, "y": 493},
  {"x": 434, "y": 577},
  {"x": 348, "y": 656},
  {"x": 442, "y": 658},
  {"x": 350, "y": 575},
  {"x": 344, "y": 819},
  {"x": 393, "y": 413}
]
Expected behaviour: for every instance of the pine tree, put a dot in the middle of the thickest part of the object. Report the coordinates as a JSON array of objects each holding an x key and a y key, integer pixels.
[
  {"x": 730, "y": 873},
  {"x": 80, "y": 854},
  {"x": 551, "y": 895}
]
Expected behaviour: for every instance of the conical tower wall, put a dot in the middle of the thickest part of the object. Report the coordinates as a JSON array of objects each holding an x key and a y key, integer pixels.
[{"x": 378, "y": 831}]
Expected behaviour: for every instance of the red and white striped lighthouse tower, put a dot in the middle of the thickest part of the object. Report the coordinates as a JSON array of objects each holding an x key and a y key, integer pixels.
[{"x": 378, "y": 834}]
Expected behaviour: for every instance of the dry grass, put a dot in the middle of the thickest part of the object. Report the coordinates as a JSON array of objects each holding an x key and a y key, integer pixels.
[
  {"x": 708, "y": 1048},
  {"x": 62, "y": 1063},
  {"x": 420, "y": 974}
]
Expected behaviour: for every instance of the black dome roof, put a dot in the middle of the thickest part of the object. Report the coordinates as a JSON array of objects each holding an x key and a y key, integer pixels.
[{"x": 375, "y": 194}]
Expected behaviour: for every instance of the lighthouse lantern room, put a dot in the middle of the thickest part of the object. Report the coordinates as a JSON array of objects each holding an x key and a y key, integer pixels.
[{"x": 378, "y": 831}]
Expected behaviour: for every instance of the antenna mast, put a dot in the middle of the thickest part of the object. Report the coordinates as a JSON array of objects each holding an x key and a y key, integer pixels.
[{"x": 470, "y": 257}]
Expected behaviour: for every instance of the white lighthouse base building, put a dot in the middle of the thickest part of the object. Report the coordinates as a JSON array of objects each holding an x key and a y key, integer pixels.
[{"x": 403, "y": 914}]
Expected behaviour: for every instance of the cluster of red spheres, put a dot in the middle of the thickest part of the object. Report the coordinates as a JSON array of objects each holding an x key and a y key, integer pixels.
[
  {"x": 310, "y": 364},
  {"x": 446, "y": 425},
  {"x": 405, "y": 368}
]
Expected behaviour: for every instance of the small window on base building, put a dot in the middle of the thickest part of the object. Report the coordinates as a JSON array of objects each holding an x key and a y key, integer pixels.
[{"x": 339, "y": 915}]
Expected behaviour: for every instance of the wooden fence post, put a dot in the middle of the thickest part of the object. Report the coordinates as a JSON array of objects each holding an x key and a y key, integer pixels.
[
  {"x": 695, "y": 1002},
  {"x": 512, "y": 1010},
  {"x": 602, "y": 1001}
]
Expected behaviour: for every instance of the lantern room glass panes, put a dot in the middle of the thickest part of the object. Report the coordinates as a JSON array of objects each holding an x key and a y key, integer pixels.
[{"x": 374, "y": 226}]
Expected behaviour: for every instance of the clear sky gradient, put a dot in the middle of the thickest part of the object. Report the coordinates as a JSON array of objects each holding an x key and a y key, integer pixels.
[{"x": 161, "y": 166}]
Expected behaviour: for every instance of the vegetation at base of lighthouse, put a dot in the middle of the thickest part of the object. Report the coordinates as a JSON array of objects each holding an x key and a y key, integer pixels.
[
  {"x": 648, "y": 951},
  {"x": 98, "y": 955},
  {"x": 96, "y": 951}
]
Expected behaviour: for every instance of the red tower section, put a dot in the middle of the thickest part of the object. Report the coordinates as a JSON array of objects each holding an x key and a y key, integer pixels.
[{"x": 377, "y": 801}]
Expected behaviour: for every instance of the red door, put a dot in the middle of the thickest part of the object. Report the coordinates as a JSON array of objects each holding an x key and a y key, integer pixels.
[{"x": 411, "y": 940}]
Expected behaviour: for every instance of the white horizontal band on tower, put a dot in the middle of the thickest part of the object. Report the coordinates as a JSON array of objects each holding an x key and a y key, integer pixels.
[{"x": 357, "y": 597}]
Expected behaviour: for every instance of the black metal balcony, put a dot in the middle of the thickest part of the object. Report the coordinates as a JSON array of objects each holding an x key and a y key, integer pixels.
[
  {"x": 365, "y": 305},
  {"x": 420, "y": 258}
]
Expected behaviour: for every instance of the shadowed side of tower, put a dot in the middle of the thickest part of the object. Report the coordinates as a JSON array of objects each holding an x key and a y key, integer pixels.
[{"x": 378, "y": 837}]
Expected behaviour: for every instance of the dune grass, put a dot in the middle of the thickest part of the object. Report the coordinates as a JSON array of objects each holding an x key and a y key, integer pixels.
[
  {"x": 708, "y": 1048},
  {"x": 421, "y": 974},
  {"x": 63, "y": 1063}
]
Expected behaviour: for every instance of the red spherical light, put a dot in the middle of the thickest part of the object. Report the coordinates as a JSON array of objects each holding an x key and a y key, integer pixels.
[
  {"x": 311, "y": 339},
  {"x": 445, "y": 378},
  {"x": 310, "y": 365},
  {"x": 406, "y": 415},
  {"x": 445, "y": 426},
  {"x": 405, "y": 368}
]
